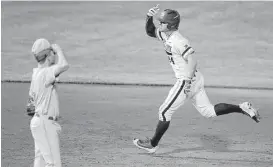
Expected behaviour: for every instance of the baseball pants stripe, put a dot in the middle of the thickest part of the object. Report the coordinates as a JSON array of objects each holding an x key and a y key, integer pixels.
[
  {"x": 172, "y": 100},
  {"x": 170, "y": 96}
]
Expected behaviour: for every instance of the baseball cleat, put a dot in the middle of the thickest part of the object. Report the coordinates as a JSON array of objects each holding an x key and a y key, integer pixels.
[
  {"x": 145, "y": 145},
  {"x": 250, "y": 111}
]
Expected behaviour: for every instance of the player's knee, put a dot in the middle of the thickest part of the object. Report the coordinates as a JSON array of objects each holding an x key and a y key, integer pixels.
[
  {"x": 208, "y": 112},
  {"x": 165, "y": 116}
]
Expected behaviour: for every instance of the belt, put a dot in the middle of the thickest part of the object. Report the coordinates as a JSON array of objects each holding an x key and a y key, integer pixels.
[{"x": 49, "y": 118}]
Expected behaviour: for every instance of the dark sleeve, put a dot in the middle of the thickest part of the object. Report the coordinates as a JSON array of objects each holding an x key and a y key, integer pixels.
[{"x": 150, "y": 27}]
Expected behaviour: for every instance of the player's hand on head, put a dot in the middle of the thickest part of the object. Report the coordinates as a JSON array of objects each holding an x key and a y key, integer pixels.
[
  {"x": 153, "y": 11},
  {"x": 56, "y": 47}
]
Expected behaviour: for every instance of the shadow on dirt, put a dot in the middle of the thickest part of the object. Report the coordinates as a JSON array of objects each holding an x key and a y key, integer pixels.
[
  {"x": 208, "y": 142},
  {"x": 215, "y": 143},
  {"x": 212, "y": 143}
]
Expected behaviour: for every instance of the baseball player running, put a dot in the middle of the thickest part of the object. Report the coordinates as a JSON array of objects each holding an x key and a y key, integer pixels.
[
  {"x": 190, "y": 81},
  {"x": 43, "y": 103}
]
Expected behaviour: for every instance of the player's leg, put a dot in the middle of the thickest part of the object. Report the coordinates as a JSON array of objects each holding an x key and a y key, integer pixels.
[
  {"x": 174, "y": 100},
  {"x": 39, "y": 160},
  {"x": 41, "y": 139},
  {"x": 202, "y": 103},
  {"x": 53, "y": 130},
  {"x": 199, "y": 97}
]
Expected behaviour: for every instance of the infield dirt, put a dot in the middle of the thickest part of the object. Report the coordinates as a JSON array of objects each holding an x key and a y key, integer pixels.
[{"x": 99, "y": 123}]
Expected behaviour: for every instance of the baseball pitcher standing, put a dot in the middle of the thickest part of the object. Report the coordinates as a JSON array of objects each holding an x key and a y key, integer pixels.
[
  {"x": 190, "y": 81},
  {"x": 44, "y": 103}
]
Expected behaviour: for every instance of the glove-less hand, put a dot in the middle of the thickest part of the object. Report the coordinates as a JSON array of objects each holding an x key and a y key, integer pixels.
[
  {"x": 30, "y": 107},
  {"x": 153, "y": 11}
]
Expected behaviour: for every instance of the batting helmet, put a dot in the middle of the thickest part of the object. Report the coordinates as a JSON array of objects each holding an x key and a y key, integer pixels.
[{"x": 171, "y": 17}]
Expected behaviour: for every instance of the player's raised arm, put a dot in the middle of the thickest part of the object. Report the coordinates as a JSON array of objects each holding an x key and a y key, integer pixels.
[
  {"x": 150, "y": 27},
  {"x": 62, "y": 64}
]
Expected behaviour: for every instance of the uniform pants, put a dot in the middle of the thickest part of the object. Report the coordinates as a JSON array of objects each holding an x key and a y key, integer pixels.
[
  {"x": 184, "y": 90},
  {"x": 45, "y": 133}
]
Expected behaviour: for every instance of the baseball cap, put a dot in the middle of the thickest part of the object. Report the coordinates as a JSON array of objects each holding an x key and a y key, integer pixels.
[{"x": 39, "y": 46}]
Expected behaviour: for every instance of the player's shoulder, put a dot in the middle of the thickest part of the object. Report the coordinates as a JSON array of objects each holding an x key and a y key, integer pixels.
[
  {"x": 179, "y": 41},
  {"x": 35, "y": 71},
  {"x": 177, "y": 37},
  {"x": 42, "y": 71},
  {"x": 52, "y": 67}
]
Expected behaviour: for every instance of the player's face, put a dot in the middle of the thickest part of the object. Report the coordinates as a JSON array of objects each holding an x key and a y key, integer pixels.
[
  {"x": 51, "y": 58},
  {"x": 163, "y": 27}
]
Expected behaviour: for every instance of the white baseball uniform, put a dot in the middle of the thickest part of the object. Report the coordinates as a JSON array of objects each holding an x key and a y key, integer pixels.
[
  {"x": 178, "y": 48},
  {"x": 45, "y": 130}
]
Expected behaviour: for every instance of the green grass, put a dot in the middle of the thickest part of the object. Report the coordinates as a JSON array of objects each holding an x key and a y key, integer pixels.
[{"x": 106, "y": 41}]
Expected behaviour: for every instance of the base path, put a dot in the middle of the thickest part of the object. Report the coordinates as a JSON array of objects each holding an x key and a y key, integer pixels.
[{"x": 99, "y": 123}]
